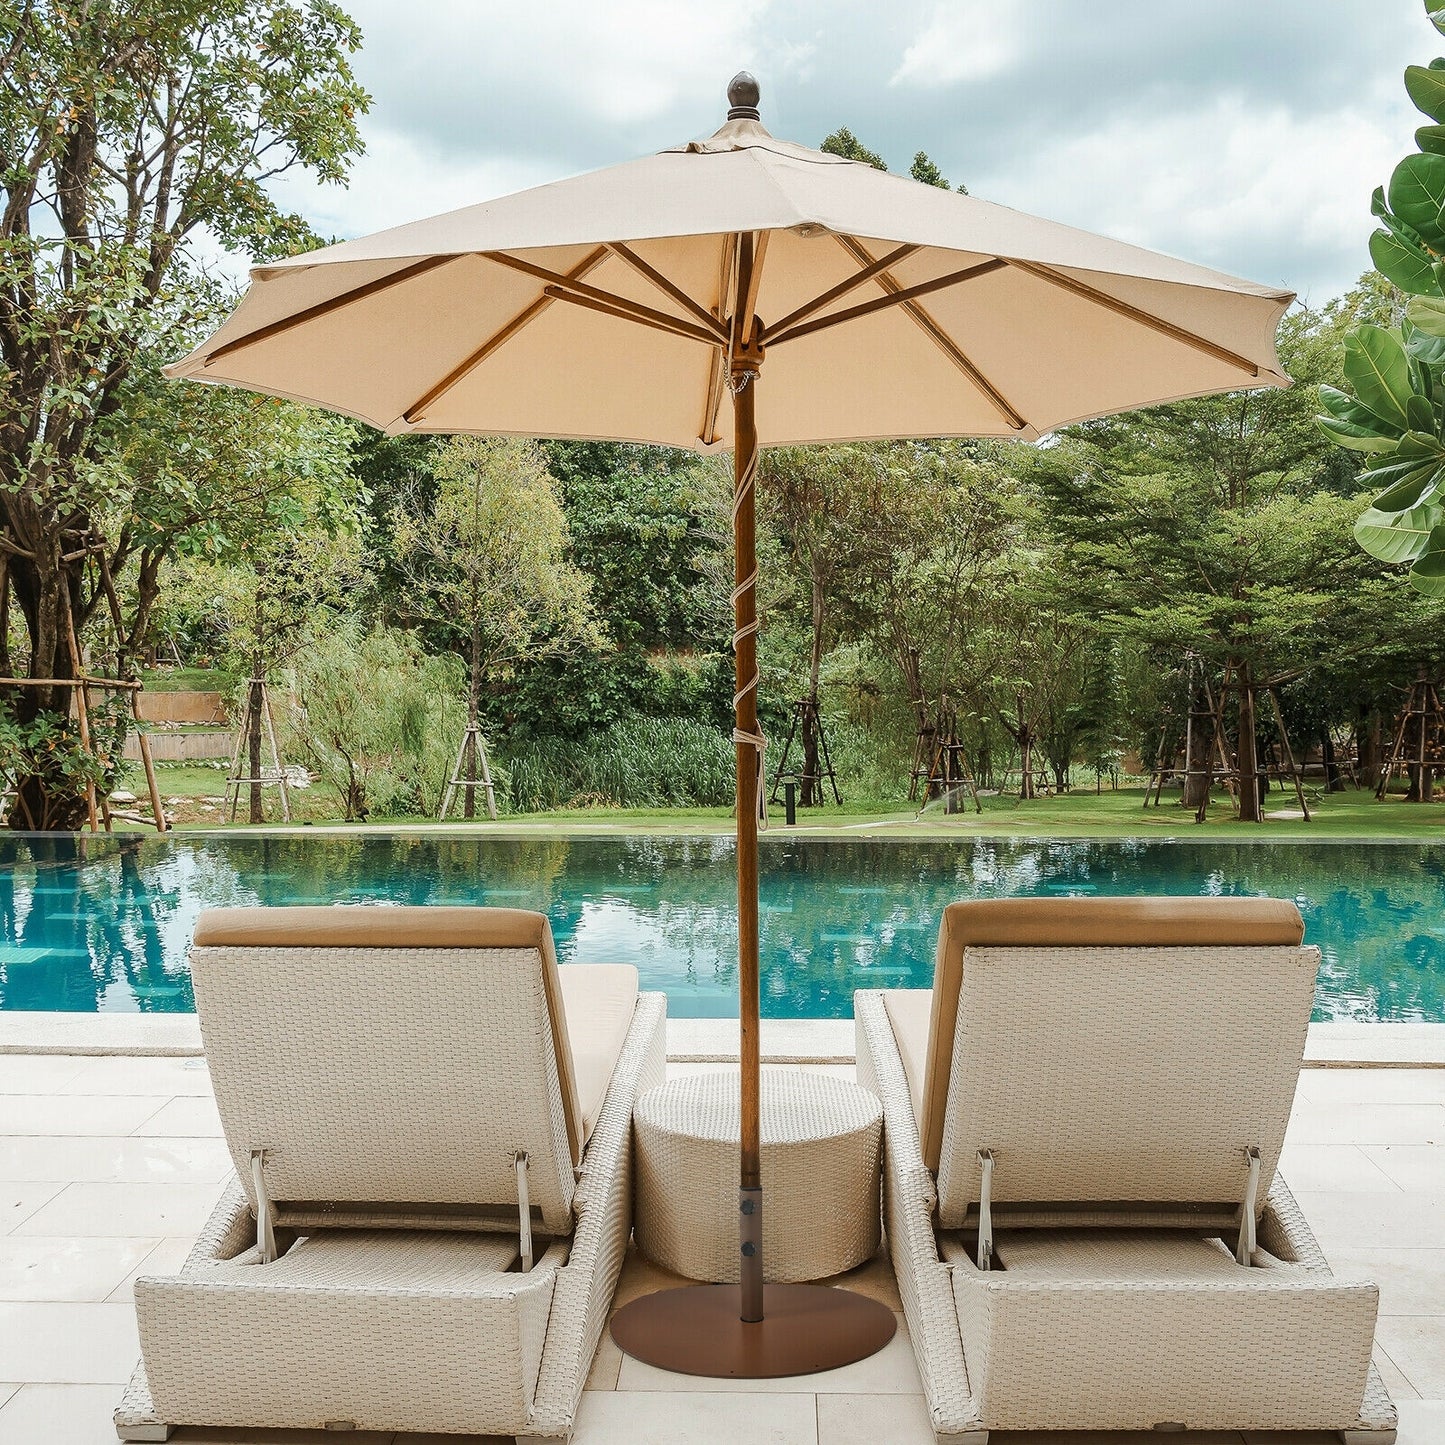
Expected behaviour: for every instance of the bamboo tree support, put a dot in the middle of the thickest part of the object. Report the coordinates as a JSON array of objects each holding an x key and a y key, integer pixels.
[
  {"x": 463, "y": 778},
  {"x": 1419, "y": 740},
  {"x": 1294, "y": 770},
  {"x": 82, "y": 717},
  {"x": 806, "y": 715},
  {"x": 277, "y": 776}
]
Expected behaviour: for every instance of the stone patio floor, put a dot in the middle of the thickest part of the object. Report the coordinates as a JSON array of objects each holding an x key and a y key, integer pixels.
[{"x": 109, "y": 1166}]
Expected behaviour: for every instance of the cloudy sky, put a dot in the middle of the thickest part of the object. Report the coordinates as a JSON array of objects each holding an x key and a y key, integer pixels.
[{"x": 1243, "y": 134}]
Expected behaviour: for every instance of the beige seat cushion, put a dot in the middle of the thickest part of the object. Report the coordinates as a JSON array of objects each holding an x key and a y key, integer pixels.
[
  {"x": 908, "y": 1011},
  {"x": 598, "y": 999},
  {"x": 375, "y": 1259},
  {"x": 1124, "y": 1256}
]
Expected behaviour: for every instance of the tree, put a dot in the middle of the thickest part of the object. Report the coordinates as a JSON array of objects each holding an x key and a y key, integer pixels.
[
  {"x": 1212, "y": 526},
  {"x": 375, "y": 718},
  {"x": 818, "y": 500},
  {"x": 485, "y": 563},
  {"x": 842, "y": 142},
  {"x": 127, "y": 130}
]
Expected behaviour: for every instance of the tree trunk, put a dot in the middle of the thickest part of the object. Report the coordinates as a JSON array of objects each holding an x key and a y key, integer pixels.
[
  {"x": 812, "y": 783},
  {"x": 470, "y": 760},
  {"x": 1333, "y": 782},
  {"x": 1250, "y": 810},
  {"x": 1367, "y": 749},
  {"x": 1198, "y": 750},
  {"x": 255, "y": 702}
]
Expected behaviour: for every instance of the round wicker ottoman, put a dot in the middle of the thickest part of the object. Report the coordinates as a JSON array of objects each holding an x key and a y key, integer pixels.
[{"x": 821, "y": 1141}]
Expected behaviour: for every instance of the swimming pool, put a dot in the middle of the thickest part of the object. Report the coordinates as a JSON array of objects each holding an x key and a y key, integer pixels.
[{"x": 102, "y": 924}]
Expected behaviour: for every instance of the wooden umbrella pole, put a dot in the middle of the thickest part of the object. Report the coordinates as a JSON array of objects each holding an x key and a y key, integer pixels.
[{"x": 749, "y": 745}]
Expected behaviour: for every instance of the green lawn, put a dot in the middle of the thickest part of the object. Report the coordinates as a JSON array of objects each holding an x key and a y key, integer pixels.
[{"x": 1351, "y": 814}]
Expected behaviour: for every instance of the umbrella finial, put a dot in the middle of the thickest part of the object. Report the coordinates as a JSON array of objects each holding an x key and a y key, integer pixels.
[{"x": 743, "y": 95}]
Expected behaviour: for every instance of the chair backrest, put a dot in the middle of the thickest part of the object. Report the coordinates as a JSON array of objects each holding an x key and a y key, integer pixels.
[
  {"x": 1113, "y": 1051},
  {"x": 391, "y": 1062}
]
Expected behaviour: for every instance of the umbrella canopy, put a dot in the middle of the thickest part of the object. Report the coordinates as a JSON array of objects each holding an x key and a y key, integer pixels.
[
  {"x": 888, "y": 309},
  {"x": 728, "y": 293}
]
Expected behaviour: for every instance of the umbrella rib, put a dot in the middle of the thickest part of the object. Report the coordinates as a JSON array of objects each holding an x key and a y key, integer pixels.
[
  {"x": 608, "y": 301},
  {"x": 726, "y": 284},
  {"x": 893, "y": 298},
  {"x": 346, "y": 298},
  {"x": 755, "y": 280},
  {"x": 417, "y": 410},
  {"x": 1134, "y": 313},
  {"x": 833, "y": 293},
  {"x": 658, "y": 321},
  {"x": 668, "y": 288},
  {"x": 938, "y": 336}
]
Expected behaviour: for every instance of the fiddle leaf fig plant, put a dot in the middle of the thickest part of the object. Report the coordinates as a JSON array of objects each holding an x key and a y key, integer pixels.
[{"x": 1393, "y": 407}]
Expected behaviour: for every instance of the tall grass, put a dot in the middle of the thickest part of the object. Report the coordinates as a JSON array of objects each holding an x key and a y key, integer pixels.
[{"x": 636, "y": 763}]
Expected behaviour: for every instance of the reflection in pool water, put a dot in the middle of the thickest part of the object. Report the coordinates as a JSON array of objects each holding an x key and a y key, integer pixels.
[{"x": 103, "y": 923}]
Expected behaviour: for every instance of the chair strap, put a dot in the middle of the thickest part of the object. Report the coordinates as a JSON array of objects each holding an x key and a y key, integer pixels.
[
  {"x": 265, "y": 1209},
  {"x": 985, "y": 1210},
  {"x": 1244, "y": 1250},
  {"x": 524, "y": 1211}
]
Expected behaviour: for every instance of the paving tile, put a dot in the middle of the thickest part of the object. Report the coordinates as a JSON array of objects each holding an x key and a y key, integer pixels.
[
  {"x": 60, "y": 1415},
  {"x": 874, "y": 1279},
  {"x": 605, "y": 1365},
  {"x": 640, "y": 1276},
  {"x": 873, "y": 1419},
  {"x": 1412, "y": 1281},
  {"x": 1374, "y": 1221},
  {"x": 186, "y": 1118},
  {"x": 1367, "y": 1124},
  {"x": 166, "y": 1258},
  {"x": 1416, "y": 1168},
  {"x": 1372, "y": 1086},
  {"x": 695, "y": 1418},
  {"x": 36, "y": 1073},
  {"x": 67, "y": 1269},
  {"x": 1416, "y": 1343},
  {"x": 1398, "y": 1386},
  {"x": 75, "y": 1113},
  {"x": 135, "y": 1210},
  {"x": 1333, "y": 1166},
  {"x": 138, "y": 1074},
  {"x": 69, "y": 1344},
  {"x": 891, "y": 1371},
  {"x": 19, "y": 1201},
  {"x": 116, "y": 1158},
  {"x": 1422, "y": 1422}
]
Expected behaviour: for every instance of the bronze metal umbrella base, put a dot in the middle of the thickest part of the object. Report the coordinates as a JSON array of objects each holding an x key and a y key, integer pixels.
[{"x": 805, "y": 1328}]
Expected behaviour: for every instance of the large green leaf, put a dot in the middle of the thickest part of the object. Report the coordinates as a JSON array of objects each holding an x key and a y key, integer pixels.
[
  {"x": 1407, "y": 266},
  {"x": 1343, "y": 407},
  {"x": 1427, "y": 89},
  {"x": 1413, "y": 490},
  {"x": 1379, "y": 207},
  {"x": 1422, "y": 347},
  {"x": 1420, "y": 414},
  {"x": 1356, "y": 438},
  {"x": 1431, "y": 138},
  {"x": 1428, "y": 574},
  {"x": 1417, "y": 196},
  {"x": 1398, "y": 538},
  {"x": 1427, "y": 314},
  {"x": 1378, "y": 371},
  {"x": 1436, "y": 15}
]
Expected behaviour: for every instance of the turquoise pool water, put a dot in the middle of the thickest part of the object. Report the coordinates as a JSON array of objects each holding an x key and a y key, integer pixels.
[{"x": 102, "y": 924}]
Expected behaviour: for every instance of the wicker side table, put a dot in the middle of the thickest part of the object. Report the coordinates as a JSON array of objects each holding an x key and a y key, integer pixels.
[{"x": 821, "y": 1143}]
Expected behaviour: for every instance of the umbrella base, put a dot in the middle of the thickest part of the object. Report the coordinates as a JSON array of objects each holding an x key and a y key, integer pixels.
[{"x": 806, "y": 1328}]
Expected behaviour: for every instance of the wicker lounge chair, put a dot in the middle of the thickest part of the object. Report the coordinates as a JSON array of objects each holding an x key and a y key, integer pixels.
[
  {"x": 1082, "y": 1121},
  {"x": 430, "y": 1123}
]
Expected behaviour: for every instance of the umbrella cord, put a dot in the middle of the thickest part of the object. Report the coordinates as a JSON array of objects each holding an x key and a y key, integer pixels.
[{"x": 754, "y": 739}]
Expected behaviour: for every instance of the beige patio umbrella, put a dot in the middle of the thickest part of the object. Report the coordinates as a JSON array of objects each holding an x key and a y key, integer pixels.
[{"x": 727, "y": 293}]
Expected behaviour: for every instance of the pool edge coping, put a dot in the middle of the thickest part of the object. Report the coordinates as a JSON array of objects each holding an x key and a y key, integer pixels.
[{"x": 693, "y": 1041}]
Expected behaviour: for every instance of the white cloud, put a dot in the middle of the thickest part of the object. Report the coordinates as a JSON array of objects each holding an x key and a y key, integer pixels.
[
  {"x": 1223, "y": 183},
  {"x": 968, "y": 41}
]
